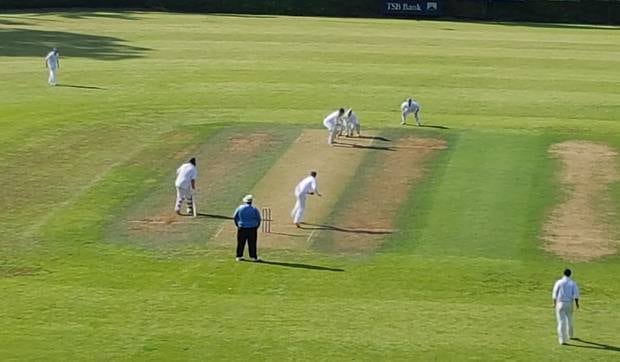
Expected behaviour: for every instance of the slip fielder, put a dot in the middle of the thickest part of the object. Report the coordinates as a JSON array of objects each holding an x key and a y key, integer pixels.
[{"x": 410, "y": 107}]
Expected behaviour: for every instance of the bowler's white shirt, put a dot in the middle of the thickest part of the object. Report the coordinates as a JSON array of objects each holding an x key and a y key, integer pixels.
[
  {"x": 52, "y": 60},
  {"x": 406, "y": 108},
  {"x": 565, "y": 290},
  {"x": 185, "y": 174},
  {"x": 331, "y": 120},
  {"x": 306, "y": 186}
]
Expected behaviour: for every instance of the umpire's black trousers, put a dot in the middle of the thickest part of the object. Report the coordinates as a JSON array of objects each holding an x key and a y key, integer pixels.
[{"x": 246, "y": 235}]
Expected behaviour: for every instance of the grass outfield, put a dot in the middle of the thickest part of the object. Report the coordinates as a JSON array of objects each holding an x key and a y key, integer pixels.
[{"x": 463, "y": 277}]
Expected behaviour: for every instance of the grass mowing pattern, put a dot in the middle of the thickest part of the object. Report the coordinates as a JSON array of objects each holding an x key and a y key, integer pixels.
[
  {"x": 487, "y": 199},
  {"x": 243, "y": 167},
  {"x": 459, "y": 282}
]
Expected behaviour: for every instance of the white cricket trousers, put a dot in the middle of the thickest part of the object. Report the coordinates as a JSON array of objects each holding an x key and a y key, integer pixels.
[
  {"x": 332, "y": 129},
  {"x": 407, "y": 112},
  {"x": 184, "y": 194},
  {"x": 298, "y": 210},
  {"x": 564, "y": 315},
  {"x": 51, "y": 80},
  {"x": 351, "y": 127}
]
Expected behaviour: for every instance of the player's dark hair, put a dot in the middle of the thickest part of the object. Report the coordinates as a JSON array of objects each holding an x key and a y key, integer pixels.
[
  {"x": 567, "y": 272},
  {"x": 193, "y": 161},
  {"x": 341, "y": 110},
  {"x": 313, "y": 173}
]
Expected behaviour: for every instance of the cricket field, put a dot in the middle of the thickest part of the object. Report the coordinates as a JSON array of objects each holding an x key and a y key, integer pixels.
[{"x": 439, "y": 242}]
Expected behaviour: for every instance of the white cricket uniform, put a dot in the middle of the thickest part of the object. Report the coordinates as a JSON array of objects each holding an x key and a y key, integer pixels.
[
  {"x": 408, "y": 109},
  {"x": 331, "y": 122},
  {"x": 564, "y": 292},
  {"x": 303, "y": 188},
  {"x": 183, "y": 183},
  {"x": 352, "y": 124},
  {"x": 52, "y": 64}
]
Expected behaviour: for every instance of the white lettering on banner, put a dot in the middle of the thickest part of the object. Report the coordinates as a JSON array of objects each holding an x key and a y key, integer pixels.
[
  {"x": 431, "y": 6},
  {"x": 414, "y": 7},
  {"x": 393, "y": 6}
]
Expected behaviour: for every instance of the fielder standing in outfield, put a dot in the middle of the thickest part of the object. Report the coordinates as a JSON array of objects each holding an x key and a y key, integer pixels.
[
  {"x": 305, "y": 187},
  {"x": 410, "y": 107},
  {"x": 332, "y": 122},
  {"x": 351, "y": 123},
  {"x": 185, "y": 184},
  {"x": 564, "y": 292},
  {"x": 52, "y": 63},
  {"x": 247, "y": 220}
]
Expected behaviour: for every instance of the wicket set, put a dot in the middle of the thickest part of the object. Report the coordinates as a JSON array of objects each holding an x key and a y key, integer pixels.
[{"x": 265, "y": 225}]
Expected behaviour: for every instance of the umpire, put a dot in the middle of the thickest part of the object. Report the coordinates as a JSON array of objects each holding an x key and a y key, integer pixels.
[{"x": 247, "y": 219}]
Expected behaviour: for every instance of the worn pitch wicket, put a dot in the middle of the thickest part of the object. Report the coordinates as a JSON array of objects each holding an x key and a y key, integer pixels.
[{"x": 266, "y": 216}]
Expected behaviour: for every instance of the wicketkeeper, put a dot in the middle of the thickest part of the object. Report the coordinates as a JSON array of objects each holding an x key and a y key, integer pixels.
[{"x": 351, "y": 123}]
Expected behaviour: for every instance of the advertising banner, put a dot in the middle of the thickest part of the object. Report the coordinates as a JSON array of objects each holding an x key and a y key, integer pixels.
[{"x": 406, "y": 8}]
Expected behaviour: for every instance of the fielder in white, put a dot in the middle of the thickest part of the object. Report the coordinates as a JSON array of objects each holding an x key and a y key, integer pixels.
[
  {"x": 351, "y": 123},
  {"x": 332, "y": 122},
  {"x": 410, "y": 107},
  {"x": 52, "y": 63},
  {"x": 305, "y": 187},
  {"x": 185, "y": 184},
  {"x": 564, "y": 292}
]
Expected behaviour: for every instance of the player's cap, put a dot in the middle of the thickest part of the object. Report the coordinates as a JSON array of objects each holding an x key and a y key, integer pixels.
[
  {"x": 248, "y": 198},
  {"x": 54, "y": 49}
]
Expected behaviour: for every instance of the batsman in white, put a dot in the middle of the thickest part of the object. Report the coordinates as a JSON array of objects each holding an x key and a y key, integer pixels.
[
  {"x": 305, "y": 187},
  {"x": 332, "y": 122},
  {"x": 410, "y": 107},
  {"x": 52, "y": 63},
  {"x": 351, "y": 123},
  {"x": 185, "y": 184}
]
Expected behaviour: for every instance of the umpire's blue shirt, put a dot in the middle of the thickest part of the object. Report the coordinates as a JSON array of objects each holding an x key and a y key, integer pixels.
[{"x": 247, "y": 216}]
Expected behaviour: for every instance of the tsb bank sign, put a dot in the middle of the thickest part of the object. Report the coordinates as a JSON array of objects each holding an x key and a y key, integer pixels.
[{"x": 413, "y": 8}]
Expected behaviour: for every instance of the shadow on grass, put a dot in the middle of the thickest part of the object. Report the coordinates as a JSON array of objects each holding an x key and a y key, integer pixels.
[
  {"x": 344, "y": 230},
  {"x": 79, "y": 86},
  {"x": 353, "y": 145},
  {"x": 434, "y": 126},
  {"x": 376, "y": 138},
  {"x": 119, "y": 15},
  {"x": 256, "y": 16},
  {"x": 594, "y": 345},
  {"x": 37, "y": 43},
  {"x": 301, "y": 266},
  {"x": 215, "y": 216},
  {"x": 12, "y": 22},
  {"x": 427, "y": 126}
]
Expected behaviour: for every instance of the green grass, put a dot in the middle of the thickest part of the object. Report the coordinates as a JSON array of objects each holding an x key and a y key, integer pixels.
[
  {"x": 463, "y": 279},
  {"x": 485, "y": 201}
]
